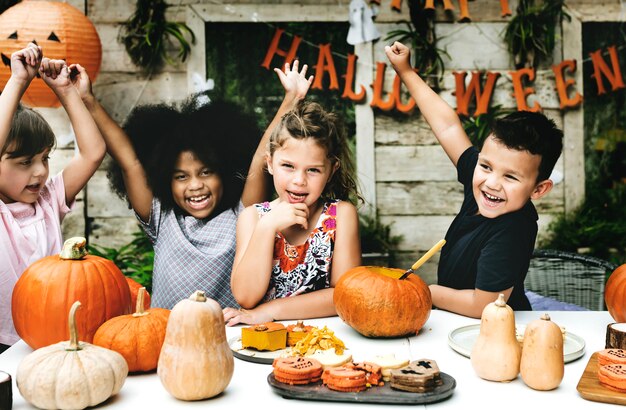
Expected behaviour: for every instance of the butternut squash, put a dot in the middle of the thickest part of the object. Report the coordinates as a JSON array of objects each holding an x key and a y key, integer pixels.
[
  {"x": 542, "y": 364},
  {"x": 195, "y": 361},
  {"x": 496, "y": 354}
]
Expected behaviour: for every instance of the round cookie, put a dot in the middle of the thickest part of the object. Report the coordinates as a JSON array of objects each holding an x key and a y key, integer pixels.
[
  {"x": 611, "y": 356},
  {"x": 297, "y": 370},
  {"x": 344, "y": 378},
  {"x": 613, "y": 376}
]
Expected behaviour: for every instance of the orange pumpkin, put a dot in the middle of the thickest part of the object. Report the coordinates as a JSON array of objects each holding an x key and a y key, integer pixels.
[
  {"x": 615, "y": 294},
  {"x": 138, "y": 337},
  {"x": 60, "y": 29},
  {"x": 376, "y": 303},
  {"x": 48, "y": 287},
  {"x": 134, "y": 290}
]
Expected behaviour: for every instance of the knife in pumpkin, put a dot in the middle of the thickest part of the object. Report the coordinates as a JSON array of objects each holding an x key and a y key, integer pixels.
[{"x": 423, "y": 259}]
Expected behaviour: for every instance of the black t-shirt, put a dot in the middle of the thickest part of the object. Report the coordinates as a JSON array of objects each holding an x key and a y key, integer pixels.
[{"x": 490, "y": 254}]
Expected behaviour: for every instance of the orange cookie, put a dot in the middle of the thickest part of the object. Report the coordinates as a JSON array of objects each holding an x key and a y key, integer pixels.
[
  {"x": 611, "y": 356},
  {"x": 613, "y": 376},
  {"x": 297, "y": 370},
  {"x": 344, "y": 378},
  {"x": 373, "y": 372}
]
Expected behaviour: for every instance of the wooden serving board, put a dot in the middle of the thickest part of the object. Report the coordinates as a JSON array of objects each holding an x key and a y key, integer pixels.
[
  {"x": 378, "y": 394},
  {"x": 590, "y": 388}
]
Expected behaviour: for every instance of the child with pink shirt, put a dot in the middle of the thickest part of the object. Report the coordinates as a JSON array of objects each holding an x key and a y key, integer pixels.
[{"x": 31, "y": 205}]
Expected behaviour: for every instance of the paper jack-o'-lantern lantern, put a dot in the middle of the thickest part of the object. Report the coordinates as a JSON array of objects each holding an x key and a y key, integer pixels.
[{"x": 60, "y": 29}]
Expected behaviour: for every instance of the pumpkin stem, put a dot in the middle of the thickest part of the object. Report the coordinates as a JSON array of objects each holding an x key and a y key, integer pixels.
[
  {"x": 500, "y": 302},
  {"x": 74, "y": 248},
  {"x": 545, "y": 316},
  {"x": 73, "y": 346},
  {"x": 198, "y": 296},
  {"x": 139, "y": 311}
]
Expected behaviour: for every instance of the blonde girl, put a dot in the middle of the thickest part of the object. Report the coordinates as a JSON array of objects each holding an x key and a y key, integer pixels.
[{"x": 292, "y": 251}]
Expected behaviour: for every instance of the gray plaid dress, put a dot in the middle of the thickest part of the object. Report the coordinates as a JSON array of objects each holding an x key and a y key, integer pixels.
[{"x": 191, "y": 254}]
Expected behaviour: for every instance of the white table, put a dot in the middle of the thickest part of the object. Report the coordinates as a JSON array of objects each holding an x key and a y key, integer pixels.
[{"x": 249, "y": 387}]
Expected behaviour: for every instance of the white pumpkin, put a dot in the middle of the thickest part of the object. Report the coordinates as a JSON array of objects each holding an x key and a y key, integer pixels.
[{"x": 71, "y": 374}]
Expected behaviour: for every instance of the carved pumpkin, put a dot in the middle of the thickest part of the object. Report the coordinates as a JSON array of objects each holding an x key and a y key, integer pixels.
[
  {"x": 138, "y": 337},
  {"x": 376, "y": 303},
  {"x": 615, "y": 294},
  {"x": 60, "y": 29},
  {"x": 134, "y": 290},
  {"x": 71, "y": 374},
  {"x": 53, "y": 283}
]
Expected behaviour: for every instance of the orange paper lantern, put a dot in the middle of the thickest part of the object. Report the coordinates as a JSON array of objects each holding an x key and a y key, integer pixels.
[{"x": 60, "y": 29}]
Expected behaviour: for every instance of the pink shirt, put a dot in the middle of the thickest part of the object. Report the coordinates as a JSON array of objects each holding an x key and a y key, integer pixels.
[{"x": 28, "y": 232}]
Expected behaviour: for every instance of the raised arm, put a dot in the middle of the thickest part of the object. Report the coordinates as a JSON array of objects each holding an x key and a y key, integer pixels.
[
  {"x": 119, "y": 146},
  {"x": 24, "y": 66},
  {"x": 440, "y": 116},
  {"x": 296, "y": 86},
  {"x": 89, "y": 143}
]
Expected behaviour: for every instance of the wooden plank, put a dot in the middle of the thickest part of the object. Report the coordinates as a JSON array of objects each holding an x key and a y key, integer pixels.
[
  {"x": 590, "y": 388},
  {"x": 573, "y": 124},
  {"x": 120, "y": 92},
  {"x": 112, "y": 232},
  {"x": 400, "y": 129},
  {"x": 272, "y": 12},
  {"x": 102, "y": 201},
  {"x": 365, "y": 153},
  {"x": 413, "y": 163},
  {"x": 74, "y": 223},
  {"x": 420, "y": 232},
  {"x": 424, "y": 198}
]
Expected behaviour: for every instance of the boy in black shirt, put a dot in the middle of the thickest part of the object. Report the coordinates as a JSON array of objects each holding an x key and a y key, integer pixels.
[{"x": 490, "y": 242}]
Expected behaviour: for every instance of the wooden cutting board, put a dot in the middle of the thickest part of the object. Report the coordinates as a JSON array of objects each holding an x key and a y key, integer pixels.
[{"x": 590, "y": 388}]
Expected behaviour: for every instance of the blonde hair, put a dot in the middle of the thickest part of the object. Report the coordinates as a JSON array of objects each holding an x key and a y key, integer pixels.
[{"x": 310, "y": 120}]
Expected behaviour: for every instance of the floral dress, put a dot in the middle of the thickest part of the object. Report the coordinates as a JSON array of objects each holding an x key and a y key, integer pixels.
[{"x": 303, "y": 268}]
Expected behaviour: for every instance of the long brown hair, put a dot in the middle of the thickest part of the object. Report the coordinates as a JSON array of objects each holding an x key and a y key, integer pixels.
[{"x": 310, "y": 120}]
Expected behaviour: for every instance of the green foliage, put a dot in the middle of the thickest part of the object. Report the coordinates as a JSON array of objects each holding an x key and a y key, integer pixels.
[
  {"x": 530, "y": 35},
  {"x": 428, "y": 57},
  {"x": 144, "y": 35},
  {"x": 479, "y": 128},
  {"x": 135, "y": 259},
  {"x": 376, "y": 237},
  {"x": 599, "y": 224}
]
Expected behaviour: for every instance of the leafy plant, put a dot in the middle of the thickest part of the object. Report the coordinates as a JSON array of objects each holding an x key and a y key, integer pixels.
[
  {"x": 479, "y": 128},
  {"x": 376, "y": 236},
  {"x": 135, "y": 259},
  {"x": 144, "y": 35},
  {"x": 530, "y": 35},
  {"x": 421, "y": 34}
]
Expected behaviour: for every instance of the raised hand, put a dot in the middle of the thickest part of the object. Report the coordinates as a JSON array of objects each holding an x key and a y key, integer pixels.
[
  {"x": 56, "y": 74},
  {"x": 25, "y": 63},
  {"x": 399, "y": 56},
  {"x": 294, "y": 82},
  {"x": 81, "y": 81}
]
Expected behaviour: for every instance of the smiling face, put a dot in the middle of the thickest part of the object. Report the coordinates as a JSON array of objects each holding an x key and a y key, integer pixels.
[
  {"x": 63, "y": 32},
  {"x": 505, "y": 179},
  {"x": 300, "y": 169},
  {"x": 22, "y": 178},
  {"x": 195, "y": 188}
]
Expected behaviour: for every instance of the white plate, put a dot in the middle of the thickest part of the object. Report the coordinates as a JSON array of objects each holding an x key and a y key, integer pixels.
[
  {"x": 463, "y": 338},
  {"x": 255, "y": 356}
]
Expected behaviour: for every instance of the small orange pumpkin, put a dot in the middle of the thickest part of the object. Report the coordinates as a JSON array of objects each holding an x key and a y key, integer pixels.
[
  {"x": 134, "y": 290},
  {"x": 376, "y": 303},
  {"x": 615, "y": 294},
  {"x": 49, "y": 287},
  {"x": 138, "y": 337}
]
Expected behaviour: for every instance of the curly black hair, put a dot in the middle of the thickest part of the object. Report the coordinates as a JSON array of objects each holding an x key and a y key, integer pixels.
[{"x": 220, "y": 134}]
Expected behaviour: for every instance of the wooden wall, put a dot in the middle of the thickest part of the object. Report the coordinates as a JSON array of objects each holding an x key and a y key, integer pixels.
[{"x": 405, "y": 172}]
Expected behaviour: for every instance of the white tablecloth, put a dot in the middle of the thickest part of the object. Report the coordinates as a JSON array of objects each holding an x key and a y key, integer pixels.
[{"x": 249, "y": 389}]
